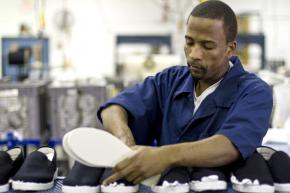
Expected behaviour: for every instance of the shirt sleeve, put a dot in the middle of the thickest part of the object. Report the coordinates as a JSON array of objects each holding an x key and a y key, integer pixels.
[
  {"x": 249, "y": 120},
  {"x": 143, "y": 104}
]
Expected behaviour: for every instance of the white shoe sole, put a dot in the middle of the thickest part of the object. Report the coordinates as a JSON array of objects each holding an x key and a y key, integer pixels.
[
  {"x": 67, "y": 149},
  {"x": 78, "y": 189},
  {"x": 203, "y": 186},
  {"x": 182, "y": 188},
  {"x": 33, "y": 186},
  {"x": 4, "y": 187},
  {"x": 81, "y": 142},
  {"x": 119, "y": 189},
  {"x": 282, "y": 187},
  {"x": 254, "y": 188}
]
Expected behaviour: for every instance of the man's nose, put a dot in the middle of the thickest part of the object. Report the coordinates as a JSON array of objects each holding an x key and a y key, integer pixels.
[{"x": 195, "y": 52}]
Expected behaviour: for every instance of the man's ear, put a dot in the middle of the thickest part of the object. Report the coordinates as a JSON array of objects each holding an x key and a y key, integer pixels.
[{"x": 231, "y": 48}]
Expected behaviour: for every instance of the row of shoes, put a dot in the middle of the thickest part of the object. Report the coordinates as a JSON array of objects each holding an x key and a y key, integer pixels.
[
  {"x": 34, "y": 172},
  {"x": 88, "y": 179},
  {"x": 265, "y": 171}
]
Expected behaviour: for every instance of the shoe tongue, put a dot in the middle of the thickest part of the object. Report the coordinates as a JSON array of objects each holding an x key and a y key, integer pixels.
[
  {"x": 5, "y": 157},
  {"x": 266, "y": 152},
  {"x": 48, "y": 152}
]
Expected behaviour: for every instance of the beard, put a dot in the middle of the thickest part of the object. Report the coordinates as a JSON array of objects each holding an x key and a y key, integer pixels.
[{"x": 198, "y": 72}]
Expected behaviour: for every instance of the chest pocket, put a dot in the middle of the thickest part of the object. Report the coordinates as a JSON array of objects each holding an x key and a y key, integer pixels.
[
  {"x": 178, "y": 116},
  {"x": 204, "y": 127}
]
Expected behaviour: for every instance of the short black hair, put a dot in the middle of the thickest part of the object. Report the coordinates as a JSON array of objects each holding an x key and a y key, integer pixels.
[{"x": 214, "y": 9}]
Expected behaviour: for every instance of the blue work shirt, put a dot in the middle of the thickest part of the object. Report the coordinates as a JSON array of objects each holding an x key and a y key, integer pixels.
[{"x": 161, "y": 108}]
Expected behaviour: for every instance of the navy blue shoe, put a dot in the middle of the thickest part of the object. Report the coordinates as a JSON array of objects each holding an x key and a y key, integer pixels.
[
  {"x": 10, "y": 162},
  {"x": 279, "y": 165},
  {"x": 120, "y": 186},
  {"x": 253, "y": 175},
  {"x": 82, "y": 178},
  {"x": 209, "y": 179},
  {"x": 38, "y": 171},
  {"x": 175, "y": 180}
]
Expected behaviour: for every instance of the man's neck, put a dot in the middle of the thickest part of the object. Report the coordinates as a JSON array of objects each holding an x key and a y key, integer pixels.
[{"x": 202, "y": 85}]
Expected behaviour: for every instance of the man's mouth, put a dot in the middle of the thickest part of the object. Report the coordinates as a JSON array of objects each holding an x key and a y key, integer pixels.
[{"x": 195, "y": 67}]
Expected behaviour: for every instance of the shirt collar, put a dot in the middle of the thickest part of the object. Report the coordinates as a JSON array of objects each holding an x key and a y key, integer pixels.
[
  {"x": 188, "y": 86},
  {"x": 228, "y": 86}
]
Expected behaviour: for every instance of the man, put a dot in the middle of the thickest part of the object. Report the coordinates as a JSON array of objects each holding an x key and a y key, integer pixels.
[{"x": 209, "y": 113}]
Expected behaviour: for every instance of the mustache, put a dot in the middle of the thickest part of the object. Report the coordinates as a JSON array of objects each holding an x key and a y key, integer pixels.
[{"x": 196, "y": 65}]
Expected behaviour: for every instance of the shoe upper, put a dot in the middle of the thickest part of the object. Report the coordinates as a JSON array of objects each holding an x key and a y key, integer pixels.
[
  {"x": 5, "y": 167},
  {"x": 254, "y": 168},
  {"x": 38, "y": 167},
  {"x": 10, "y": 162},
  {"x": 173, "y": 180},
  {"x": 200, "y": 174},
  {"x": 179, "y": 174},
  {"x": 279, "y": 165},
  {"x": 82, "y": 175},
  {"x": 120, "y": 182},
  {"x": 266, "y": 152}
]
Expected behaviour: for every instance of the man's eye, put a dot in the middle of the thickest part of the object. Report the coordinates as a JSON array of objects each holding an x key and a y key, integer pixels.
[
  {"x": 209, "y": 46},
  {"x": 189, "y": 43}
]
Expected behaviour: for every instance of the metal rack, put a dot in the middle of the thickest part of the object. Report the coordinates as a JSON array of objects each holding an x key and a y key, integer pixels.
[
  {"x": 157, "y": 40},
  {"x": 152, "y": 40},
  {"x": 79, "y": 102},
  {"x": 23, "y": 108}
]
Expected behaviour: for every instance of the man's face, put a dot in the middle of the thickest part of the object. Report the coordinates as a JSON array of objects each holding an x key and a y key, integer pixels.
[{"x": 206, "y": 49}]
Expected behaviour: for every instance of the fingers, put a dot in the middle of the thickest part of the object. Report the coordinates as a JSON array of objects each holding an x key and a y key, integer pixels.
[
  {"x": 121, "y": 170},
  {"x": 123, "y": 164},
  {"x": 114, "y": 177},
  {"x": 133, "y": 169},
  {"x": 138, "y": 180},
  {"x": 133, "y": 176}
]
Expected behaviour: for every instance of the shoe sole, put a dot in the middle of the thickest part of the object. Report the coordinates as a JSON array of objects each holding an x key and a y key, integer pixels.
[
  {"x": 285, "y": 187},
  {"x": 81, "y": 142},
  {"x": 4, "y": 187},
  {"x": 33, "y": 186},
  {"x": 184, "y": 188},
  {"x": 254, "y": 188},
  {"x": 203, "y": 186},
  {"x": 119, "y": 189},
  {"x": 67, "y": 149},
  {"x": 78, "y": 189}
]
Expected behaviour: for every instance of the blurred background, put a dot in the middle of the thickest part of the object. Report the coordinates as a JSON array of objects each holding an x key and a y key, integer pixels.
[{"x": 60, "y": 59}]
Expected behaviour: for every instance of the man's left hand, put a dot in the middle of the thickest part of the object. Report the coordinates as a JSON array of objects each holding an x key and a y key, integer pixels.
[{"x": 147, "y": 162}]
